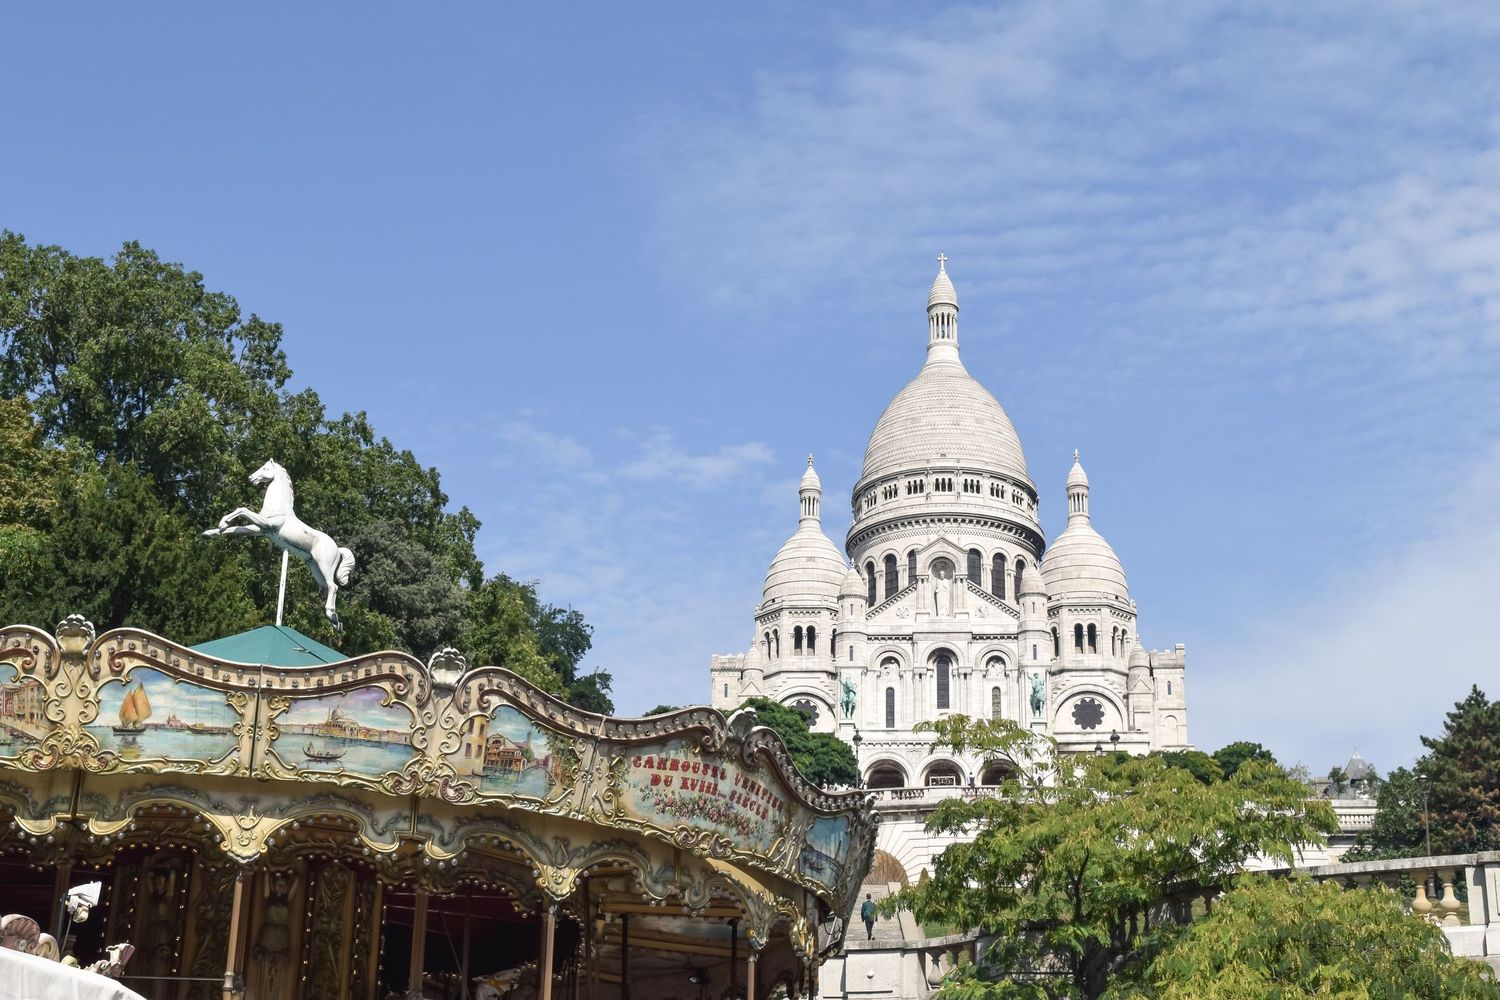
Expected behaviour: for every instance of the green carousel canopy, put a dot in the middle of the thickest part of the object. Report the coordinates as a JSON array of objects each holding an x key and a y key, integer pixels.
[{"x": 320, "y": 818}]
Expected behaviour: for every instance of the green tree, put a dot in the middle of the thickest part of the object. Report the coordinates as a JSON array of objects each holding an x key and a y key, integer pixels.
[
  {"x": 1462, "y": 771},
  {"x": 1397, "y": 830},
  {"x": 134, "y": 403},
  {"x": 823, "y": 758},
  {"x": 1289, "y": 938},
  {"x": 1232, "y": 756},
  {"x": 1068, "y": 865},
  {"x": 663, "y": 709},
  {"x": 1195, "y": 762}
]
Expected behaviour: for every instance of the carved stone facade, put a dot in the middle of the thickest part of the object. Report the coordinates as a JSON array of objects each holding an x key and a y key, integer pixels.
[{"x": 951, "y": 600}]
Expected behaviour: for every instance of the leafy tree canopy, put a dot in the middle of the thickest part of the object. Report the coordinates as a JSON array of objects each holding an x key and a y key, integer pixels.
[
  {"x": 1066, "y": 866},
  {"x": 1232, "y": 756},
  {"x": 1290, "y": 938},
  {"x": 823, "y": 758},
  {"x": 1459, "y": 778},
  {"x": 663, "y": 709},
  {"x": 1195, "y": 762},
  {"x": 134, "y": 403}
]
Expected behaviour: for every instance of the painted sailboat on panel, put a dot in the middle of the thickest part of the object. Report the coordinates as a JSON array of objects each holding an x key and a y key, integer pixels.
[{"x": 152, "y": 715}]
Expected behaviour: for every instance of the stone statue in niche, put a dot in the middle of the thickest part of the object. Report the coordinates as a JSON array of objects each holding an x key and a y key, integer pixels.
[
  {"x": 942, "y": 591},
  {"x": 847, "y": 702}
]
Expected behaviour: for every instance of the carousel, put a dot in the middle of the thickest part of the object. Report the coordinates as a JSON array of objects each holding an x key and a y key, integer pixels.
[{"x": 267, "y": 819}]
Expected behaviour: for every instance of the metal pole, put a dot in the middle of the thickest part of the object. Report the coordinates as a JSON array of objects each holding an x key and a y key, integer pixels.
[
  {"x": 625, "y": 956},
  {"x": 544, "y": 961},
  {"x": 734, "y": 958},
  {"x": 281, "y": 591}
]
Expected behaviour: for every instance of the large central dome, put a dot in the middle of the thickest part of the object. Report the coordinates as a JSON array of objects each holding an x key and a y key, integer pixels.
[{"x": 943, "y": 416}]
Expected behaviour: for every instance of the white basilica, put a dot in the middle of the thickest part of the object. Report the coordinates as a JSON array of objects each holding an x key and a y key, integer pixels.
[{"x": 955, "y": 603}]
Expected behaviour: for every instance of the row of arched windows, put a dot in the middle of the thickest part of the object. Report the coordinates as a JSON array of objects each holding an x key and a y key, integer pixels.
[
  {"x": 998, "y": 564},
  {"x": 1086, "y": 640},
  {"x": 997, "y": 699},
  {"x": 942, "y": 484},
  {"x": 804, "y": 642}
]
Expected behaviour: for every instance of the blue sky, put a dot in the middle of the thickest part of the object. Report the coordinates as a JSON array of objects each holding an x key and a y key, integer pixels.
[{"x": 616, "y": 269}]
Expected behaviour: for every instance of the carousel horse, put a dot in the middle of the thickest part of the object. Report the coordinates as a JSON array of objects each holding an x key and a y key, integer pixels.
[{"x": 277, "y": 521}]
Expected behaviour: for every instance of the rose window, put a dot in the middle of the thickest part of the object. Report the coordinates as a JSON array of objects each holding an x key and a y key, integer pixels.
[{"x": 1087, "y": 713}]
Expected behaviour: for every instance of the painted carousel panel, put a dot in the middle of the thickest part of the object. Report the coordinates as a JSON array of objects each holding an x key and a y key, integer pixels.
[
  {"x": 152, "y": 716},
  {"x": 351, "y": 732},
  {"x": 506, "y": 753},
  {"x": 825, "y": 851},
  {"x": 22, "y": 704},
  {"x": 672, "y": 785}
]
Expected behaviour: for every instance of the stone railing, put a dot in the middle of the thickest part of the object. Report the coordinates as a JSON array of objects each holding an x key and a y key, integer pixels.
[
  {"x": 1472, "y": 931},
  {"x": 926, "y": 796}
]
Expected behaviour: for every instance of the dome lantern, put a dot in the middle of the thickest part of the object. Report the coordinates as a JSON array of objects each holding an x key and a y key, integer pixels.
[
  {"x": 1078, "y": 491},
  {"x": 810, "y": 493},
  {"x": 942, "y": 316}
]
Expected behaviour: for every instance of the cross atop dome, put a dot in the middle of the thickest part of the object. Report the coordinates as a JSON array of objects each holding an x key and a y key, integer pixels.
[{"x": 942, "y": 262}]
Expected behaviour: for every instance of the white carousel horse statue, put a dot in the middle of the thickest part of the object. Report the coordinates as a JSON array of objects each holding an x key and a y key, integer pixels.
[{"x": 330, "y": 563}]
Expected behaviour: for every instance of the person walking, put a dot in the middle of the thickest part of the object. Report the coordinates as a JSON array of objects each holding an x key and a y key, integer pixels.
[{"x": 867, "y": 914}]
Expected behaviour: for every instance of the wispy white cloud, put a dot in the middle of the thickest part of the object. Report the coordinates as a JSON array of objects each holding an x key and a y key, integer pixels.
[
  {"x": 1252, "y": 171},
  {"x": 662, "y": 458},
  {"x": 1377, "y": 657}
]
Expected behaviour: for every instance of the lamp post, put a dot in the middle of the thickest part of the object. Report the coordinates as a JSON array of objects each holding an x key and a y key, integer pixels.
[{"x": 1114, "y": 739}]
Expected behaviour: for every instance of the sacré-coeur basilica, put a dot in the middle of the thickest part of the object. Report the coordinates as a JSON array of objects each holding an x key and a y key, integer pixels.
[{"x": 954, "y": 602}]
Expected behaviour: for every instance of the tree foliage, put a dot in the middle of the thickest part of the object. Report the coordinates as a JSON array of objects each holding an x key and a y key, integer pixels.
[
  {"x": 1290, "y": 938},
  {"x": 134, "y": 403},
  {"x": 1459, "y": 778},
  {"x": 1067, "y": 866},
  {"x": 1233, "y": 755},
  {"x": 823, "y": 758}
]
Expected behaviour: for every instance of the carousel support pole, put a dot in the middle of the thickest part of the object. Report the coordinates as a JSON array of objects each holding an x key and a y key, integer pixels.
[
  {"x": 624, "y": 956},
  {"x": 239, "y": 934},
  {"x": 60, "y": 881},
  {"x": 544, "y": 961},
  {"x": 468, "y": 919},
  {"x": 281, "y": 590},
  {"x": 750, "y": 974},
  {"x": 734, "y": 956},
  {"x": 418, "y": 943},
  {"x": 377, "y": 940},
  {"x": 588, "y": 943}
]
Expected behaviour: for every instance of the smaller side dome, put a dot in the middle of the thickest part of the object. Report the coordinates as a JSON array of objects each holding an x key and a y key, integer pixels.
[
  {"x": 1139, "y": 657},
  {"x": 1079, "y": 561},
  {"x": 809, "y": 568},
  {"x": 853, "y": 586}
]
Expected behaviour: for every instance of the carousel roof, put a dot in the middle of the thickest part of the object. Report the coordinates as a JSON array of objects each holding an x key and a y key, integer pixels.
[{"x": 273, "y": 646}]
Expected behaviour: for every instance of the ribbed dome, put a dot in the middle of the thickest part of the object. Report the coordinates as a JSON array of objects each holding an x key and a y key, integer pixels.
[
  {"x": 809, "y": 567},
  {"x": 942, "y": 291},
  {"x": 1079, "y": 561},
  {"x": 944, "y": 415},
  {"x": 1139, "y": 657}
]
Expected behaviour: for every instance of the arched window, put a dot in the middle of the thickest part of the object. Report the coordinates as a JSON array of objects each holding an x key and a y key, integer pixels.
[
  {"x": 812, "y": 641},
  {"x": 1078, "y": 638},
  {"x": 892, "y": 577},
  {"x": 997, "y": 575},
  {"x": 1093, "y": 638},
  {"x": 870, "y": 583},
  {"x": 976, "y": 567},
  {"x": 797, "y": 640},
  {"x": 995, "y": 703},
  {"x": 1020, "y": 570},
  {"x": 1056, "y": 645},
  {"x": 943, "y": 665},
  {"x": 1114, "y": 642},
  {"x": 890, "y": 708},
  {"x": 776, "y": 638},
  {"x": 767, "y": 643},
  {"x": 885, "y": 775},
  {"x": 911, "y": 566},
  {"x": 833, "y": 644}
]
